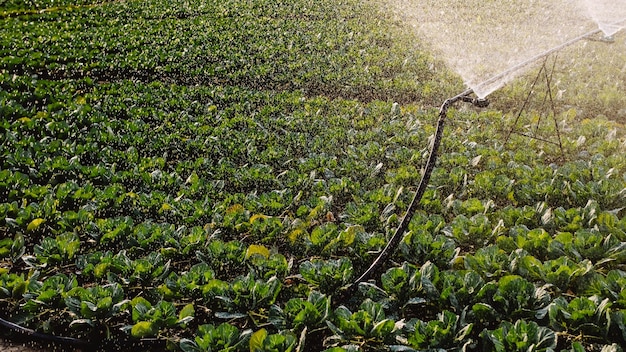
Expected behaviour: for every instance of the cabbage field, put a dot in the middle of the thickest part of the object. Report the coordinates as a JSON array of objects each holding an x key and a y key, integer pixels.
[{"x": 207, "y": 175}]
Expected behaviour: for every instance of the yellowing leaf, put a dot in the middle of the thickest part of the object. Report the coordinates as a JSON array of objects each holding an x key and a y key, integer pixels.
[
  {"x": 34, "y": 225},
  {"x": 233, "y": 209},
  {"x": 187, "y": 311},
  {"x": 165, "y": 207},
  {"x": 511, "y": 196},
  {"x": 101, "y": 269},
  {"x": 81, "y": 100},
  {"x": 256, "y": 217},
  {"x": 458, "y": 263},
  {"x": 294, "y": 235},
  {"x": 255, "y": 249},
  {"x": 143, "y": 329},
  {"x": 257, "y": 339},
  {"x": 19, "y": 289},
  {"x": 24, "y": 120},
  {"x": 168, "y": 251},
  {"x": 349, "y": 234},
  {"x": 166, "y": 292}
]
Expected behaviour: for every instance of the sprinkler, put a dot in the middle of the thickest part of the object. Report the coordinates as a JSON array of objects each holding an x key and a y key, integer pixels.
[
  {"x": 477, "y": 102},
  {"x": 466, "y": 96}
]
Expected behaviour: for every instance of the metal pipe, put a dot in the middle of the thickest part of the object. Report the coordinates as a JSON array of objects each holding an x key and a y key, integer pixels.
[{"x": 545, "y": 53}]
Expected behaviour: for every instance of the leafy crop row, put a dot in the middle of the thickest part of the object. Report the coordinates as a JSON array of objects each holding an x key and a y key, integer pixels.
[
  {"x": 195, "y": 173},
  {"x": 259, "y": 45}
]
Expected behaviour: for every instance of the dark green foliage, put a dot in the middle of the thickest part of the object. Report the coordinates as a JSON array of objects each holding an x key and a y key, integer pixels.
[
  {"x": 521, "y": 336},
  {"x": 301, "y": 313},
  {"x": 224, "y": 337},
  {"x": 327, "y": 275},
  {"x": 448, "y": 331}
]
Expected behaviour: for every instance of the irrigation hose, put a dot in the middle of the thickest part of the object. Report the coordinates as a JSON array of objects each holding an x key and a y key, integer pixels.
[
  {"x": 393, "y": 242},
  {"x": 41, "y": 337},
  {"x": 83, "y": 345}
]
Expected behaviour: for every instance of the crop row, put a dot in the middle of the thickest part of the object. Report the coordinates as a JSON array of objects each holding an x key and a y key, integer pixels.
[{"x": 260, "y": 45}]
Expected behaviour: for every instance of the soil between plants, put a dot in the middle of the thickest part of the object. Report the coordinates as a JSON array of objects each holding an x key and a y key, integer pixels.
[{"x": 15, "y": 346}]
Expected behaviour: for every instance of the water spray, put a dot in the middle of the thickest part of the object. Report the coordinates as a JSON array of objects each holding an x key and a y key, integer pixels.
[{"x": 546, "y": 53}]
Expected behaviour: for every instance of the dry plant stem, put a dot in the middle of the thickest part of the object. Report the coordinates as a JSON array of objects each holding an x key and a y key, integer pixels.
[{"x": 404, "y": 224}]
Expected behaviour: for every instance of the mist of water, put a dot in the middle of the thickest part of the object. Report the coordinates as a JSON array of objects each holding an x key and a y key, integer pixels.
[
  {"x": 610, "y": 15},
  {"x": 490, "y": 42}
]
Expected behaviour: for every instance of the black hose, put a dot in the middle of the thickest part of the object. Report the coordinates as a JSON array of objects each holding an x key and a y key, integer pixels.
[
  {"x": 41, "y": 337},
  {"x": 389, "y": 249},
  {"x": 125, "y": 344}
]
